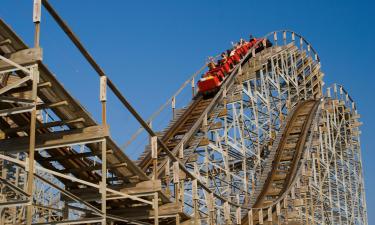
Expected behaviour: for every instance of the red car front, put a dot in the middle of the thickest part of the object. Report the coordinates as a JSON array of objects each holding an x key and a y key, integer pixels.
[{"x": 209, "y": 83}]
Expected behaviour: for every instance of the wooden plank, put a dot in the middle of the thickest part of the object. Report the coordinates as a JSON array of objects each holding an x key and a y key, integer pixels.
[
  {"x": 142, "y": 187},
  {"x": 61, "y": 138},
  {"x": 73, "y": 156},
  {"x": 23, "y": 57},
  {"x": 17, "y": 110},
  {"x": 44, "y": 125},
  {"x": 146, "y": 212}
]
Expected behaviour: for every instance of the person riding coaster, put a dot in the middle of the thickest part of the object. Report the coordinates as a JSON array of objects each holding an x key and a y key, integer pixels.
[
  {"x": 225, "y": 63},
  {"x": 212, "y": 79},
  {"x": 215, "y": 71}
]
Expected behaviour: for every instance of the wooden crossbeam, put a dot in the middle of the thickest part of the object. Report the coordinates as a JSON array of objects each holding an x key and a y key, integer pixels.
[
  {"x": 28, "y": 88},
  {"x": 56, "y": 139},
  {"x": 44, "y": 125},
  {"x": 92, "y": 168},
  {"x": 146, "y": 212},
  {"x": 23, "y": 57},
  {"x": 9, "y": 99},
  {"x": 52, "y": 105},
  {"x": 73, "y": 156},
  {"x": 141, "y": 188},
  {"x": 5, "y": 42},
  {"x": 16, "y": 110}
]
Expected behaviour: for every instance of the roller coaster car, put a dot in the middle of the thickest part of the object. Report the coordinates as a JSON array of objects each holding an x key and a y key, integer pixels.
[
  {"x": 226, "y": 65},
  {"x": 211, "y": 81},
  {"x": 208, "y": 84}
]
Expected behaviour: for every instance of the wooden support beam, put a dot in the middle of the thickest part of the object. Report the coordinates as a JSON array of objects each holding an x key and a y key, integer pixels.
[
  {"x": 142, "y": 188},
  {"x": 146, "y": 212},
  {"x": 91, "y": 168},
  {"x": 17, "y": 110},
  {"x": 56, "y": 139},
  {"x": 5, "y": 42},
  {"x": 10, "y": 99},
  {"x": 28, "y": 88},
  {"x": 44, "y": 125},
  {"x": 23, "y": 57},
  {"x": 73, "y": 156},
  {"x": 51, "y": 105}
]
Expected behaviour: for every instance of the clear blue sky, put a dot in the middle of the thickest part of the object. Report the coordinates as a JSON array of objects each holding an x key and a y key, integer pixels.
[{"x": 151, "y": 47}]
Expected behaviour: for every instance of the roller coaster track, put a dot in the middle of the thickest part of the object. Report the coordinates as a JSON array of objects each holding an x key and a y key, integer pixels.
[
  {"x": 270, "y": 147},
  {"x": 290, "y": 147},
  {"x": 289, "y": 152}
]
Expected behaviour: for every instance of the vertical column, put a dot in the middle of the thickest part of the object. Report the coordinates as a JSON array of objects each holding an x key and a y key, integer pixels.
[
  {"x": 182, "y": 181},
  {"x": 260, "y": 215},
  {"x": 275, "y": 37},
  {"x": 195, "y": 200},
  {"x": 173, "y": 103},
  {"x": 167, "y": 177},
  {"x": 193, "y": 86},
  {"x": 103, "y": 184},
  {"x": 278, "y": 212},
  {"x": 30, "y": 160},
  {"x": 35, "y": 78},
  {"x": 176, "y": 181},
  {"x": 36, "y": 19},
  {"x": 211, "y": 208},
  {"x": 226, "y": 209},
  {"x": 250, "y": 217},
  {"x": 154, "y": 154}
]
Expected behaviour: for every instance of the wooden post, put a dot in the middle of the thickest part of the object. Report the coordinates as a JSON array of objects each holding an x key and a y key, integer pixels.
[
  {"x": 35, "y": 77},
  {"x": 173, "y": 107},
  {"x": 250, "y": 217},
  {"x": 155, "y": 206},
  {"x": 103, "y": 98},
  {"x": 37, "y": 11},
  {"x": 275, "y": 37},
  {"x": 211, "y": 208},
  {"x": 227, "y": 213},
  {"x": 195, "y": 200},
  {"x": 154, "y": 154},
  {"x": 103, "y": 184},
  {"x": 30, "y": 180},
  {"x": 260, "y": 214},
  {"x": 269, "y": 215},
  {"x": 176, "y": 181},
  {"x": 193, "y": 86}
]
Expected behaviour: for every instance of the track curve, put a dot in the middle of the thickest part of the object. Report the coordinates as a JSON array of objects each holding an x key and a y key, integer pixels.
[{"x": 289, "y": 151}]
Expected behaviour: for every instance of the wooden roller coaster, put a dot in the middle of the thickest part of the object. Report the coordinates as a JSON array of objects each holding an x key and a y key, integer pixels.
[{"x": 270, "y": 147}]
